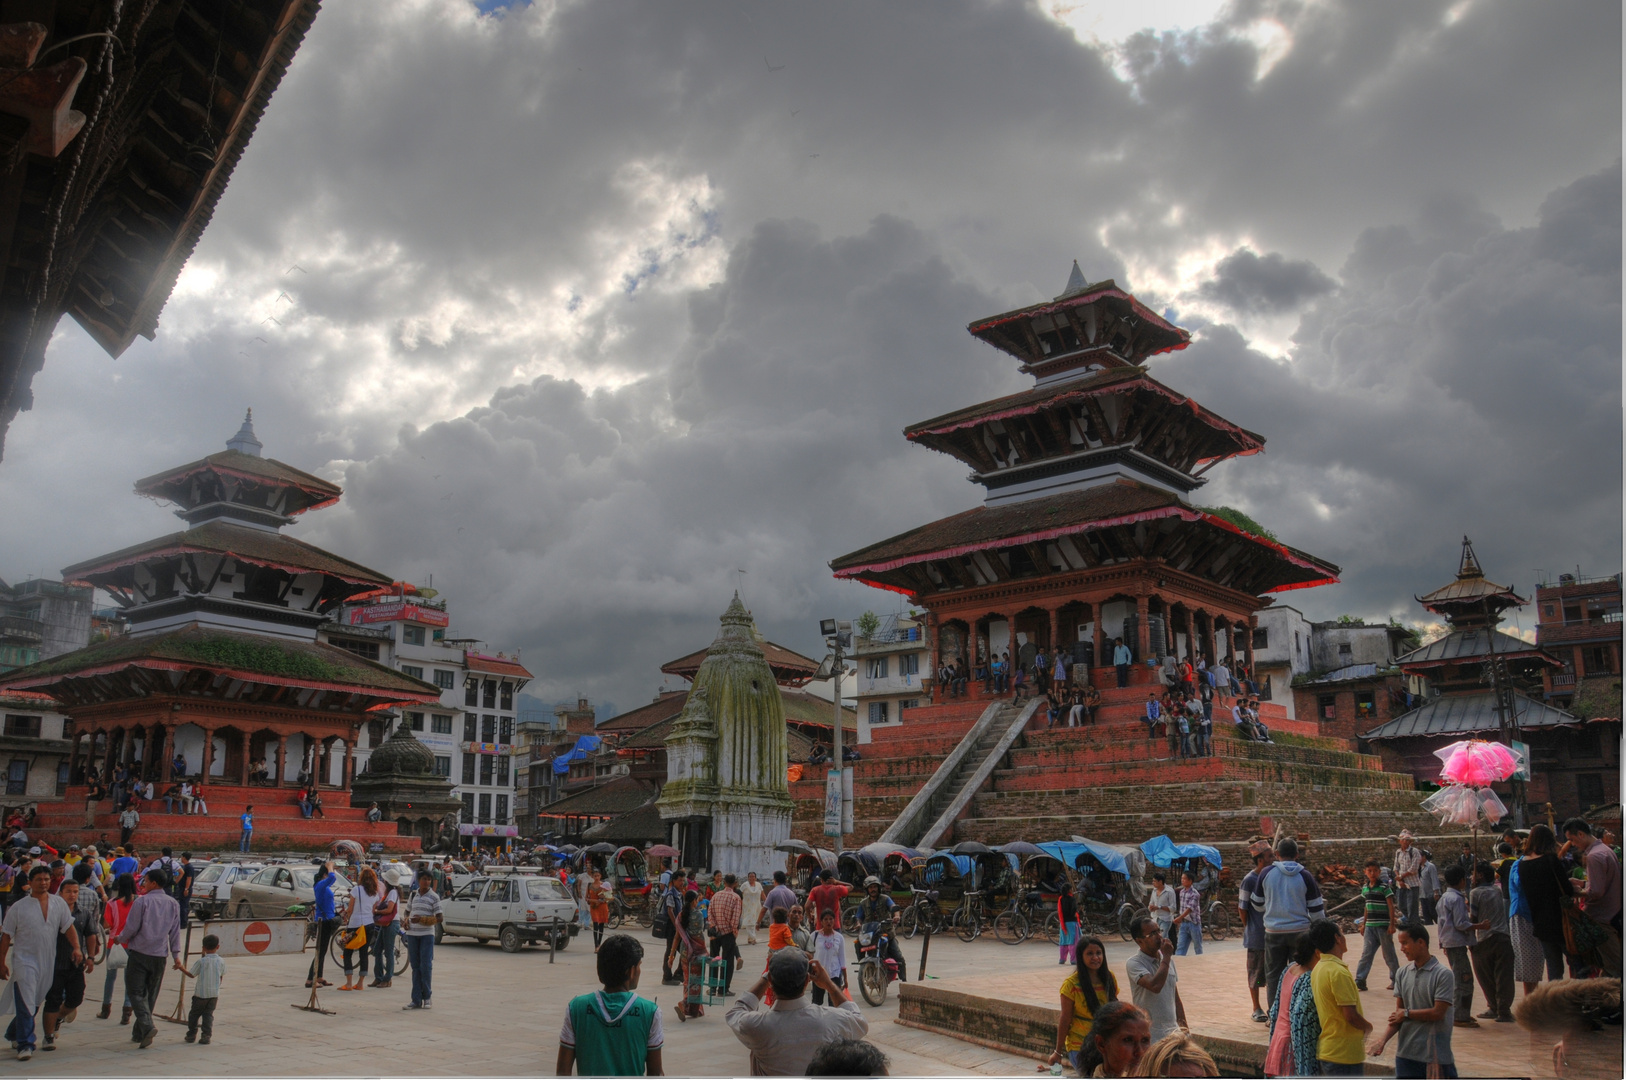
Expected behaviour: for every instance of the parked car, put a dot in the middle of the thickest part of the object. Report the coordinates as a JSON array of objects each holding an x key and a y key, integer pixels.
[
  {"x": 211, "y": 889},
  {"x": 515, "y": 908},
  {"x": 271, "y": 892}
]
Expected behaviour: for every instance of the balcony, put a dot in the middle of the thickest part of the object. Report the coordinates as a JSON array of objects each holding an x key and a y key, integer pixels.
[
  {"x": 18, "y": 629},
  {"x": 1566, "y": 681}
]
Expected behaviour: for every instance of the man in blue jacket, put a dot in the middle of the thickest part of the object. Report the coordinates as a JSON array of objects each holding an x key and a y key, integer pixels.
[{"x": 1287, "y": 898}]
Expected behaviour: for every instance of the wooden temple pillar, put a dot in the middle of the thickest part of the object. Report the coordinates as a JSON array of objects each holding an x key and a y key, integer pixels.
[
  {"x": 1247, "y": 645},
  {"x": 208, "y": 753},
  {"x": 166, "y": 769},
  {"x": 1101, "y": 658},
  {"x": 282, "y": 758},
  {"x": 1143, "y": 632},
  {"x": 73, "y": 755},
  {"x": 349, "y": 764},
  {"x": 1055, "y": 633}
]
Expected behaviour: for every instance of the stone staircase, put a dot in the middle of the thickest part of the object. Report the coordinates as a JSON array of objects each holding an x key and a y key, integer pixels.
[
  {"x": 966, "y": 769},
  {"x": 278, "y": 824}
]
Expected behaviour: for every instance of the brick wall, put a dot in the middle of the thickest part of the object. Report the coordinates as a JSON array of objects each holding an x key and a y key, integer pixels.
[{"x": 1345, "y": 722}]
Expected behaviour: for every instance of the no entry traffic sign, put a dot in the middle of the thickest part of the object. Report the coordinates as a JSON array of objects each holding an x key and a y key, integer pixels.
[{"x": 256, "y": 937}]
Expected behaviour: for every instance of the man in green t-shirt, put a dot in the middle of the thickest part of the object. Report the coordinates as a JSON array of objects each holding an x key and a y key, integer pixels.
[
  {"x": 613, "y": 1032},
  {"x": 1379, "y": 926}
]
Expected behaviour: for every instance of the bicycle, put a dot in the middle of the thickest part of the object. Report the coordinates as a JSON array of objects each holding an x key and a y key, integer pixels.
[
  {"x": 1217, "y": 920},
  {"x": 1026, "y": 914},
  {"x": 923, "y": 914},
  {"x": 969, "y": 916}
]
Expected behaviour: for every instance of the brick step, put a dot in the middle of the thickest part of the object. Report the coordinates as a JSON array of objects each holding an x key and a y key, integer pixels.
[
  {"x": 1208, "y": 827},
  {"x": 963, "y": 711},
  {"x": 204, "y": 835},
  {"x": 1112, "y": 734},
  {"x": 1216, "y": 796},
  {"x": 1052, "y": 754},
  {"x": 71, "y": 812},
  {"x": 1194, "y": 770}
]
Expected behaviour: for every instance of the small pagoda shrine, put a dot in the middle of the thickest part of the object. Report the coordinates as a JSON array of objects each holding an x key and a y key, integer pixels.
[
  {"x": 221, "y": 675},
  {"x": 1088, "y": 530},
  {"x": 1456, "y": 689},
  {"x": 727, "y": 800}
]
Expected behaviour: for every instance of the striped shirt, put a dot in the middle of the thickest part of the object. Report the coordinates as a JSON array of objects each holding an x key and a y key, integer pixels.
[
  {"x": 421, "y": 905},
  {"x": 207, "y": 970}
]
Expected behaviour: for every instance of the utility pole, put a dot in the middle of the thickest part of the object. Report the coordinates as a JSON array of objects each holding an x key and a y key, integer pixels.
[
  {"x": 837, "y": 776},
  {"x": 1507, "y": 725},
  {"x": 837, "y": 763}
]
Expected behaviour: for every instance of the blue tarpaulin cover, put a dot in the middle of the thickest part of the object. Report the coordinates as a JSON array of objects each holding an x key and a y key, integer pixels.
[
  {"x": 579, "y": 752},
  {"x": 1068, "y": 852},
  {"x": 1161, "y": 851}
]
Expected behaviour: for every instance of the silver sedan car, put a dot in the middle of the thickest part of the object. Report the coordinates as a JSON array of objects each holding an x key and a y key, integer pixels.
[{"x": 271, "y": 892}]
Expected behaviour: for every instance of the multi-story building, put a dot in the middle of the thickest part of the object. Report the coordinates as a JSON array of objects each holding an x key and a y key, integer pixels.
[
  {"x": 1347, "y": 642},
  {"x": 39, "y": 620},
  {"x": 1579, "y": 625},
  {"x": 892, "y": 662},
  {"x": 1281, "y": 652},
  {"x": 471, "y": 730}
]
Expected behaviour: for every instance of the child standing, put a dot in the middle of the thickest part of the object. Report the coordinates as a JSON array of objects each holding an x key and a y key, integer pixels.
[
  {"x": 613, "y": 1032},
  {"x": 208, "y": 970},
  {"x": 1067, "y": 915},
  {"x": 830, "y": 950}
]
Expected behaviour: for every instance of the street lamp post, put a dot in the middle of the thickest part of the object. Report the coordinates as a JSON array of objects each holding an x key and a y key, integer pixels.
[{"x": 836, "y": 635}]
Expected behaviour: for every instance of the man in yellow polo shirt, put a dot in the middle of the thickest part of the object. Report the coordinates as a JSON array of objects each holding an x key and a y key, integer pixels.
[{"x": 1342, "y": 1048}]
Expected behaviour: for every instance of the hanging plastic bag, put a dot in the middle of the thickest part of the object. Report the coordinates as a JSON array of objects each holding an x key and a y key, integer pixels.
[{"x": 1492, "y": 805}]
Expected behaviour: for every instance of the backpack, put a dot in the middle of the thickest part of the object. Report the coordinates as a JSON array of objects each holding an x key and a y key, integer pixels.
[{"x": 663, "y": 924}]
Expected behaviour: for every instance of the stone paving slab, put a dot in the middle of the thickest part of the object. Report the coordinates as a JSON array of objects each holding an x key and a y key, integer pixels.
[{"x": 495, "y": 1014}]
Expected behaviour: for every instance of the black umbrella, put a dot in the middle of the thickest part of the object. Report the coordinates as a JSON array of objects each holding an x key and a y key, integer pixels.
[
  {"x": 569, "y": 849},
  {"x": 970, "y": 847},
  {"x": 1019, "y": 847},
  {"x": 797, "y": 847},
  {"x": 600, "y": 848}
]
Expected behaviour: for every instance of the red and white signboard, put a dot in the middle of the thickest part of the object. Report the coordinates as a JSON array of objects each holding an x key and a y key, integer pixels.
[
  {"x": 398, "y": 612},
  {"x": 253, "y": 937}
]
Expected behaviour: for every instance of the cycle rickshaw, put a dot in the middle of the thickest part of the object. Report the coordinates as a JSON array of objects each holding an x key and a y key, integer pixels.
[{"x": 1205, "y": 865}]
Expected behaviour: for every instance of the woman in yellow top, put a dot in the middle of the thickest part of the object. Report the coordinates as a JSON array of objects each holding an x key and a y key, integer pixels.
[{"x": 1082, "y": 995}]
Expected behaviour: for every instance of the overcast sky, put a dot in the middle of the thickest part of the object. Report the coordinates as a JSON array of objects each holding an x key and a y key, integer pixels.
[{"x": 591, "y": 306}]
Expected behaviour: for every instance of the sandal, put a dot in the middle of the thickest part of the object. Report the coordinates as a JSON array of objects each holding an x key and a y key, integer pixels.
[{"x": 683, "y": 1017}]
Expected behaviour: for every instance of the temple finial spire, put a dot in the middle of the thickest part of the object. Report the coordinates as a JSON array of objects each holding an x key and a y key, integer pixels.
[
  {"x": 1075, "y": 282},
  {"x": 244, "y": 441},
  {"x": 1470, "y": 562}
]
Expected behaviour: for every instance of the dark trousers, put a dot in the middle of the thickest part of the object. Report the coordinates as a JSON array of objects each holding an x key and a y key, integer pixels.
[
  {"x": 143, "y": 978},
  {"x": 125, "y": 833},
  {"x": 1123, "y": 675},
  {"x": 325, "y": 930},
  {"x": 1428, "y": 910},
  {"x": 671, "y": 953},
  {"x": 818, "y": 991},
  {"x": 1412, "y": 1069},
  {"x": 1278, "y": 953},
  {"x": 421, "y": 955},
  {"x": 726, "y": 948},
  {"x": 203, "y": 1013},
  {"x": 383, "y": 952},
  {"x": 1457, "y": 955},
  {"x": 598, "y": 933},
  {"x": 1493, "y": 966}
]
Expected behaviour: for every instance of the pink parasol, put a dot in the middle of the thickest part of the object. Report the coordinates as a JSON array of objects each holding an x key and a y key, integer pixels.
[{"x": 1476, "y": 762}]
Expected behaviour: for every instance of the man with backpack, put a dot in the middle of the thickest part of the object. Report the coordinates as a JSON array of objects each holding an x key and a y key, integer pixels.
[{"x": 666, "y": 920}]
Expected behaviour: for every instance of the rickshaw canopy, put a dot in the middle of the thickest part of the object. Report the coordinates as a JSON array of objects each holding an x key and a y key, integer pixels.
[
  {"x": 1161, "y": 851},
  {"x": 1069, "y": 852}
]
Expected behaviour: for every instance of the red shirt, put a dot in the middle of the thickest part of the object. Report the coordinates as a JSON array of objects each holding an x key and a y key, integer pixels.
[{"x": 827, "y": 898}]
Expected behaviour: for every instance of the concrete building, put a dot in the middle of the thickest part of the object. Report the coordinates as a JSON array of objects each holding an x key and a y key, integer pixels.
[
  {"x": 39, "y": 620},
  {"x": 1337, "y": 645},
  {"x": 471, "y": 731},
  {"x": 1281, "y": 653},
  {"x": 894, "y": 671}
]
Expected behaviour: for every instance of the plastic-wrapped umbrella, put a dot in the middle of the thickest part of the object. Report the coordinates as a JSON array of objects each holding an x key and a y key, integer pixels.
[{"x": 1476, "y": 763}]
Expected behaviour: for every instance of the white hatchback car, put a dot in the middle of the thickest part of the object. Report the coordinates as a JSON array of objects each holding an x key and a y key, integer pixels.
[
  {"x": 211, "y": 889},
  {"x": 515, "y": 908}
]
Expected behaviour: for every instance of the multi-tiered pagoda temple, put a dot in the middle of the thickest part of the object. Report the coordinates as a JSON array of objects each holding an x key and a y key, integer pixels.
[
  {"x": 221, "y": 668},
  {"x": 1088, "y": 529}
]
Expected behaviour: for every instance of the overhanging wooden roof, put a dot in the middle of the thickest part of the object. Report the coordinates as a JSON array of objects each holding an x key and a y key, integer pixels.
[
  {"x": 250, "y": 545},
  {"x": 221, "y": 655},
  {"x": 100, "y": 222},
  {"x": 171, "y": 484},
  {"x": 789, "y": 668}
]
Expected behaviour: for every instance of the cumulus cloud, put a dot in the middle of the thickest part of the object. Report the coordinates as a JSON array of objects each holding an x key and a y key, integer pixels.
[
  {"x": 598, "y": 303},
  {"x": 1247, "y": 282}
]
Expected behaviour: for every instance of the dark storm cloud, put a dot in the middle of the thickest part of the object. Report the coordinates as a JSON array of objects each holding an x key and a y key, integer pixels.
[
  {"x": 596, "y": 303},
  {"x": 1465, "y": 379},
  {"x": 1247, "y": 282}
]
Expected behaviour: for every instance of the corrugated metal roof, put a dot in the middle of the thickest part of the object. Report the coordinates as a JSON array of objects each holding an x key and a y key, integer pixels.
[
  {"x": 1345, "y": 674},
  {"x": 1469, "y": 644},
  {"x": 1464, "y": 714}
]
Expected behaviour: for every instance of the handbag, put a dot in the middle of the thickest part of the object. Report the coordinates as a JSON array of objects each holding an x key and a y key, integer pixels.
[
  {"x": 663, "y": 924},
  {"x": 1584, "y": 939},
  {"x": 384, "y": 914},
  {"x": 352, "y": 939}
]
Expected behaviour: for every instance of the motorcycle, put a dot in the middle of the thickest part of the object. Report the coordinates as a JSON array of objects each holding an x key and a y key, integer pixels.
[{"x": 876, "y": 970}]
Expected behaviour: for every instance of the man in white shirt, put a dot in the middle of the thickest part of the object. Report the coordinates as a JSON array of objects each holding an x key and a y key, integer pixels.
[
  {"x": 784, "y": 1038},
  {"x": 1161, "y": 904}
]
